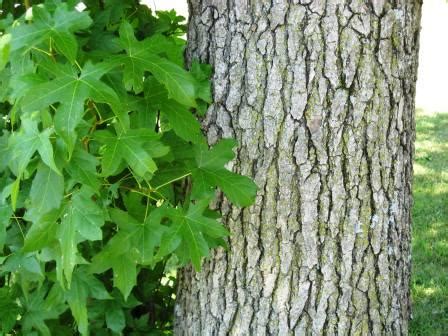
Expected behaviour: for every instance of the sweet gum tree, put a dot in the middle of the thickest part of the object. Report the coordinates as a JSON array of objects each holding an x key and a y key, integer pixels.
[{"x": 320, "y": 96}]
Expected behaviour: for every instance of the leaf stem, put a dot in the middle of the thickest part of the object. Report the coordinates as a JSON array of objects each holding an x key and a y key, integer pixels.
[
  {"x": 20, "y": 227},
  {"x": 146, "y": 209},
  {"x": 126, "y": 177},
  {"x": 42, "y": 51},
  {"x": 77, "y": 64},
  {"x": 171, "y": 181},
  {"x": 148, "y": 194},
  {"x": 140, "y": 193},
  {"x": 159, "y": 194}
]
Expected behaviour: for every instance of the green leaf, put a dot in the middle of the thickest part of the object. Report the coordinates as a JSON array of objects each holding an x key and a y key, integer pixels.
[
  {"x": 169, "y": 174},
  {"x": 202, "y": 73},
  {"x": 144, "y": 237},
  {"x": 82, "y": 287},
  {"x": 23, "y": 263},
  {"x": 96, "y": 287},
  {"x": 127, "y": 147},
  {"x": 15, "y": 188},
  {"x": 125, "y": 274},
  {"x": 47, "y": 190},
  {"x": 77, "y": 300},
  {"x": 9, "y": 310},
  {"x": 82, "y": 221},
  {"x": 209, "y": 226},
  {"x": 59, "y": 28},
  {"x": 135, "y": 206},
  {"x": 4, "y": 150},
  {"x": 180, "y": 84},
  {"x": 241, "y": 190},
  {"x": 82, "y": 168},
  {"x": 40, "y": 306},
  {"x": 117, "y": 246},
  {"x": 166, "y": 46},
  {"x": 43, "y": 231},
  {"x": 210, "y": 172},
  {"x": 190, "y": 228},
  {"x": 23, "y": 145},
  {"x": 180, "y": 118},
  {"x": 134, "y": 242},
  {"x": 170, "y": 241},
  {"x": 88, "y": 216},
  {"x": 68, "y": 240},
  {"x": 133, "y": 72},
  {"x": 115, "y": 319},
  {"x": 218, "y": 156},
  {"x": 182, "y": 121},
  {"x": 4, "y": 50},
  {"x": 71, "y": 89},
  {"x": 5, "y": 215},
  {"x": 197, "y": 245}
]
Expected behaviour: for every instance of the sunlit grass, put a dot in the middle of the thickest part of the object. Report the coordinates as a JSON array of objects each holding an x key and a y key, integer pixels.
[{"x": 430, "y": 227}]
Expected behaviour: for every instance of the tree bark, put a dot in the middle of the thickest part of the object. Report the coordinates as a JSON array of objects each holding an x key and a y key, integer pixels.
[{"x": 320, "y": 96}]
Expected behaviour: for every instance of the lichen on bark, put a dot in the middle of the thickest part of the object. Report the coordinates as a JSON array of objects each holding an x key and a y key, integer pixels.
[{"x": 320, "y": 96}]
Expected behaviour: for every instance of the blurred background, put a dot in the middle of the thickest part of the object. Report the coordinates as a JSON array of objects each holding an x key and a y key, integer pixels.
[{"x": 432, "y": 94}]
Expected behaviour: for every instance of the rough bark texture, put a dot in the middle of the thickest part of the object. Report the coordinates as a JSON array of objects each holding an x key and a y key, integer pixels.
[{"x": 320, "y": 95}]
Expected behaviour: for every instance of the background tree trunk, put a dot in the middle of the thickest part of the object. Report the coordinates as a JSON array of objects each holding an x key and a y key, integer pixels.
[{"x": 320, "y": 95}]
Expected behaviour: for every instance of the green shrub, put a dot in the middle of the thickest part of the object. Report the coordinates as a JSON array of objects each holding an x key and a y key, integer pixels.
[{"x": 105, "y": 176}]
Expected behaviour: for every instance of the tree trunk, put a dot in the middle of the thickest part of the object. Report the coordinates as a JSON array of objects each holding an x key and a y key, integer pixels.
[{"x": 320, "y": 95}]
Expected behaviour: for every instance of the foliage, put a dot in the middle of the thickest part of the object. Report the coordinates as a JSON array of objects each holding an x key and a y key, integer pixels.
[
  {"x": 430, "y": 227},
  {"x": 105, "y": 176}
]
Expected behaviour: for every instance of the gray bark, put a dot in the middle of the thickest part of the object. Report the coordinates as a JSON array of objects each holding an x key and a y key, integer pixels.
[{"x": 320, "y": 95}]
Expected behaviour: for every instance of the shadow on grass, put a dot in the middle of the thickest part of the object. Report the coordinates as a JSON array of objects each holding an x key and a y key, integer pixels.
[
  {"x": 430, "y": 227},
  {"x": 432, "y": 125}
]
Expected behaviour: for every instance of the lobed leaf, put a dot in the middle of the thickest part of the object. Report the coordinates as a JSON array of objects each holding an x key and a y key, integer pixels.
[{"x": 59, "y": 27}]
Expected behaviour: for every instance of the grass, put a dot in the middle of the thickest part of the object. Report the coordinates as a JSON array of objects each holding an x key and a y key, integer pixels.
[{"x": 430, "y": 227}]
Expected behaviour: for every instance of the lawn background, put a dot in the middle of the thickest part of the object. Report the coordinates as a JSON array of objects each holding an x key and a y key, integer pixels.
[{"x": 430, "y": 226}]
